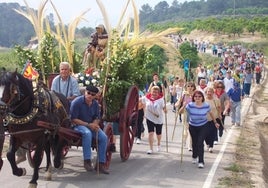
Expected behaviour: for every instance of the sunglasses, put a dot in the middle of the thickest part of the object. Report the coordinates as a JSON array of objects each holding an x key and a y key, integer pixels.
[
  {"x": 92, "y": 94},
  {"x": 190, "y": 86}
]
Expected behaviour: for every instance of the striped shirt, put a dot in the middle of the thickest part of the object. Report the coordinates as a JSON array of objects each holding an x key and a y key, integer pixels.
[{"x": 197, "y": 114}]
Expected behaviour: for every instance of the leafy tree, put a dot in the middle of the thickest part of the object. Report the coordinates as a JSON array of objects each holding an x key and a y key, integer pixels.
[
  {"x": 189, "y": 52},
  {"x": 158, "y": 61},
  {"x": 252, "y": 27}
]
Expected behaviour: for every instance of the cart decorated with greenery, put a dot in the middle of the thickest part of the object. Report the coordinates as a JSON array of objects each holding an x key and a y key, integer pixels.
[{"x": 121, "y": 72}]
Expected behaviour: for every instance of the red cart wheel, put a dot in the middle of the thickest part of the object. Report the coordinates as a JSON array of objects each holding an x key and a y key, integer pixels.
[
  {"x": 108, "y": 130},
  {"x": 128, "y": 122}
]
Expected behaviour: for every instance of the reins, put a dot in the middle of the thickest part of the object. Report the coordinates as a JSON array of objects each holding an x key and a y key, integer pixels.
[{"x": 22, "y": 132}]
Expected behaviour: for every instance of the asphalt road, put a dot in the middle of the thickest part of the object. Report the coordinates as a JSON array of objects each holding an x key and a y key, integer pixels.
[{"x": 160, "y": 169}]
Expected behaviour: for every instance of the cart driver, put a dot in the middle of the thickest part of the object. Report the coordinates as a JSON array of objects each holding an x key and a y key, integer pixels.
[{"x": 85, "y": 114}]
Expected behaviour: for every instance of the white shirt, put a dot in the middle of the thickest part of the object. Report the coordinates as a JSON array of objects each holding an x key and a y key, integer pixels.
[
  {"x": 179, "y": 91},
  {"x": 228, "y": 83},
  {"x": 154, "y": 109}
]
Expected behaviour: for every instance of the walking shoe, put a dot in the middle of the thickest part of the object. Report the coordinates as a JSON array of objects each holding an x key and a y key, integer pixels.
[
  {"x": 200, "y": 165},
  {"x": 20, "y": 159},
  {"x": 237, "y": 124},
  {"x": 210, "y": 150},
  {"x": 88, "y": 165},
  {"x": 190, "y": 149},
  {"x": 194, "y": 160},
  {"x": 138, "y": 141},
  {"x": 215, "y": 142},
  {"x": 158, "y": 148},
  {"x": 149, "y": 151},
  {"x": 102, "y": 168}
]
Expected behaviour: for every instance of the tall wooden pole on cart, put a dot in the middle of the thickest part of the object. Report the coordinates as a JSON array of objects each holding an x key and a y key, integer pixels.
[{"x": 106, "y": 76}]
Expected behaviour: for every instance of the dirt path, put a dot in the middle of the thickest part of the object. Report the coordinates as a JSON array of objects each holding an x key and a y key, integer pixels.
[{"x": 251, "y": 157}]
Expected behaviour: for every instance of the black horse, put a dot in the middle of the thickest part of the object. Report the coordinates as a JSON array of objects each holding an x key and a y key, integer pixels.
[{"x": 22, "y": 106}]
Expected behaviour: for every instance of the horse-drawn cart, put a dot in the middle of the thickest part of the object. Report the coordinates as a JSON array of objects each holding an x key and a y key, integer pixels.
[
  {"x": 38, "y": 119},
  {"x": 127, "y": 118}
]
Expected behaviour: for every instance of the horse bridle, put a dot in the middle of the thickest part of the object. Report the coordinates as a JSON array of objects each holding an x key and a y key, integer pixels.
[{"x": 14, "y": 93}]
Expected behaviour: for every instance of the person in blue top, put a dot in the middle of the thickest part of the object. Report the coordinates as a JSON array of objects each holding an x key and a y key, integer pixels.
[
  {"x": 66, "y": 84},
  {"x": 85, "y": 115},
  {"x": 236, "y": 96},
  {"x": 197, "y": 112}
]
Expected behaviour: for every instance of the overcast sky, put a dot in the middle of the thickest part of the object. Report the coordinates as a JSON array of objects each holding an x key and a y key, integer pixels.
[{"x": 69, "y": 9}]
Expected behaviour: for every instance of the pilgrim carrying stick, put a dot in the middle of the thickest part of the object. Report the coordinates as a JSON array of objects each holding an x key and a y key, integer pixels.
[{"x": 219, "y": 115}]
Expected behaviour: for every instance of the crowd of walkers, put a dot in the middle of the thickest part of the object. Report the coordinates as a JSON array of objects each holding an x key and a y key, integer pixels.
[{"x": 203, "y": 103}]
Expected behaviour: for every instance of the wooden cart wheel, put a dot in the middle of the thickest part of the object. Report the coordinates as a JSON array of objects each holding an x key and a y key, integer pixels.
[
  {"x": 128, "y": 122},
  {"x": 30, "y": 154},
  {"x": 108, "y": 130}
]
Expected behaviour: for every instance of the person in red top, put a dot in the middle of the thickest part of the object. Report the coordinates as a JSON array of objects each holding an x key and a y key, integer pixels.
[{"x": 258, "y": 70}]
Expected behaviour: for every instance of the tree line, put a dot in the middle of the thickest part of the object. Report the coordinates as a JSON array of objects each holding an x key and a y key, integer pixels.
[
  {"x": 232, "y": 26},
  {"x": 190, "y": 10}
]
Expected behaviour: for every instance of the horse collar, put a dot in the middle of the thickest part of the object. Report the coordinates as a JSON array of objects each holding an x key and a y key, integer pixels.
[{"x": 14, "y": 119}]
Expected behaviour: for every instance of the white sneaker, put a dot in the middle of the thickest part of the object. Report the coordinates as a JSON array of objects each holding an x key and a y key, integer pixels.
[
  {"x": 149, "y": 151},
  {"x": 194, "y": 160},
  {"x": 215, "y": 142},
  {"x": 158, "y": 148},
  {"x": 200, "y": 165},
  {"x": 210, "y": 150},
  {"x": 138, "y": 141},
  {"x": 190, "y": 149}
]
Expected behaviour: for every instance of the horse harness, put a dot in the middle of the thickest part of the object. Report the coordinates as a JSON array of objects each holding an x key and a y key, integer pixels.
[{"x": 43, "y": 102}]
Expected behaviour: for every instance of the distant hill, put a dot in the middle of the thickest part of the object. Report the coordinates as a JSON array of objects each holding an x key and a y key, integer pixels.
[{"x": 15, "y": 29}]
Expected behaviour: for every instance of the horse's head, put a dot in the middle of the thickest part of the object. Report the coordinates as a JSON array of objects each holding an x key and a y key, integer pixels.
[{"x": 14, "y": 88}]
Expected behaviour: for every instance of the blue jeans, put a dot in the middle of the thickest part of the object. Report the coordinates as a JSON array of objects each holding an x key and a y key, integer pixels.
[
  {"x": 87, "y": 136},
  {"x": 246, "y": 88},
  {"x": 236, "y": 112}
]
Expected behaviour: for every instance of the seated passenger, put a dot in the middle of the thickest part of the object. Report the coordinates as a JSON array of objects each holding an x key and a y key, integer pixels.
[
  {"x": 65, "y": 83},
  {"x": 85, "y": 115}
]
